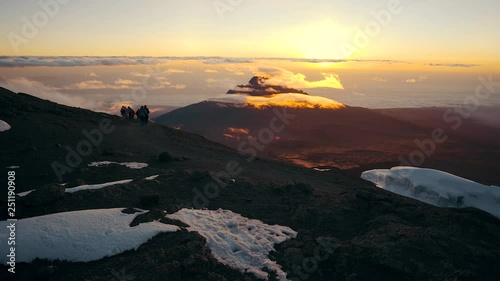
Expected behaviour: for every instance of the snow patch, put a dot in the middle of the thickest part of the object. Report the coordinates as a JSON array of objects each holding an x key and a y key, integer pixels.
[
  {"x": 13, "y": 167},
  {"x": 83, "y": 187},
  {"x": 79, "y": 236},
  {"x": 152, "y": 177},
  {"x": 237, "y": 241},
  {"x": 95, "y": 186},
  {"x": 321, "y": 170},
  {"x": 22, "y": 194},
  {"x": 4, "y": 126},
  {"x": 437, "y": 188},
  {"x": 131, "y": 165}
]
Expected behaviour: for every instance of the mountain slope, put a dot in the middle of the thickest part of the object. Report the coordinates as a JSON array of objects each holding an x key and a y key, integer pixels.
[
  {"x": 349, "y": 138},
  {"x": 347, "y": 228}
]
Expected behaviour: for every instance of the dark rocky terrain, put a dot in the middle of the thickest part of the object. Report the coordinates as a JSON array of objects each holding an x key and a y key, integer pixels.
[{"x": 347, "y": 228}]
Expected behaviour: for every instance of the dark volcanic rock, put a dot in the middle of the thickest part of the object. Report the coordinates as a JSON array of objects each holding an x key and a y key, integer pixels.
[
  {"x": 45, "y": 272},
  {"x": 149, "y": 200},
  {"x": 165, "y": 157},
  {"x": 196, "y": 264},
  {"x": 75, "y": 183},
  {"x": 44, "y": 195}
]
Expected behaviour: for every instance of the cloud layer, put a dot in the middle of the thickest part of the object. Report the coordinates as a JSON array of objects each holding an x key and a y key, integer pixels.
[
  {"x": 282, "y": 77},
  {"x": 40, "y": 90},
  {"x": 290, "y": 100},
  {"x": 68, "y": 61}
]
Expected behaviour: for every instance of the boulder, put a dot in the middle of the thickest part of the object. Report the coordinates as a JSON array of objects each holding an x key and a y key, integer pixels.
[
  {"x": 45, "y": 272},
  {"x": 196, "y": 264},
  {"x": 165, "y": 157},
  {"x": 150, "y": 200},
  {"x": 44, "y": 195}
]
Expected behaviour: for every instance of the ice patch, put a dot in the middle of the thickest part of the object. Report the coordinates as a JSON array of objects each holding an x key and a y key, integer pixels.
[
  {"x": 437, "y": 188},
  {"x": 131, "y": 165},
  {"x": 237, "y": 241},
  {"x": 22, "y": 194},
  {"x": 13, "y": 167},
  {"x": 80, "y": 236},
  {"x": 152, "y": 177},
  {"x": 321, "y": 170},
  {"x": 4, "y": 126},
  {"x": 95, "y": 186},
  {"x": 83, "y": 187}
]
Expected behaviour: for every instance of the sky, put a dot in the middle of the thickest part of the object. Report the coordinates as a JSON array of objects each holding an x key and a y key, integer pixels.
[
  {"x": 448, "y": 31},
  {"x": 374, "y": 53}
]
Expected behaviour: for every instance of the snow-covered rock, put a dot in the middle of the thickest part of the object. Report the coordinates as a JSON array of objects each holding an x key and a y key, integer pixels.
[
  {"x": 79, "y": 236},
  {"x": 236, "y": 241},
  {"x": 4, "y": 126},
  {"x": 437, "y": 188}
]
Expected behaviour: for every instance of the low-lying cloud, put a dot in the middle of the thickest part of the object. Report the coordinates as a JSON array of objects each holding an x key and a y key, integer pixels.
[
  {"x": 119, "y": 84},
  {"x": 30, "y": 61},
  {"x": 415, "y": 80},
  {"x": 40, "y": 90},
  {"x": 72, "y": 61},
  {"x": 69, "y": 61},
  {"x": 290, "y": 100},
  {"x": 452, "y": 64}
]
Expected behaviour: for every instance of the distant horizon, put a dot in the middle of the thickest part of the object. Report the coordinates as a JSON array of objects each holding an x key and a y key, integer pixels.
[{"x": 241, "y": 58}]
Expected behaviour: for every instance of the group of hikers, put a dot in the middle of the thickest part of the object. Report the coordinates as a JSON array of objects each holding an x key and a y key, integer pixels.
[{"x": 142, "y": 114}]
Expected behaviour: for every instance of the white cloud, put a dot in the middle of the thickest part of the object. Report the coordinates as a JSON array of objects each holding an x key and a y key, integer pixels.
[
  {"x": 175, "y": 71},
  {"x": 453, "y": 64},
  {"x": 24, "y": 61},
  {"x": 178, "y": 86},
  {"x": 282, "y": 77},
  {"x": 63, "y": 61},
  {"x": 223, "y": 60},
  {"x": 99, "y": 85},
  {"x": 378, "y": 79},
  {"x": 238, "y": 70},
  {"x": 139, "y": 74},
  {"x": 126, "y": 82},
  {"x": 415, "y": 80},
  {"x": 40, "y": 90}
]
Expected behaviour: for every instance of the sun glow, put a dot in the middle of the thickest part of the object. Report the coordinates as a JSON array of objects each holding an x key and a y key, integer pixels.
[{"x": 320, "y": 40}]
